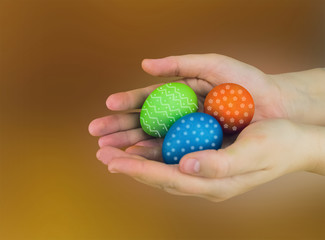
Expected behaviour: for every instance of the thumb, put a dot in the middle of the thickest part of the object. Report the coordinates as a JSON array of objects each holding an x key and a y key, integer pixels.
[
  {"x": 192, "y": 65},
  {"x": 214, "y": 68},
  {"x": 217, "y": 163}
]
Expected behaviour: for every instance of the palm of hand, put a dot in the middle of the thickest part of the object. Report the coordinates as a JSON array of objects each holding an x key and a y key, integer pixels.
[{"x": 201, "y": 73}]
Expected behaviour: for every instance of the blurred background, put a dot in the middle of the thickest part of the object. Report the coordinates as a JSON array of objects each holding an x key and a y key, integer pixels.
[{"x": 61, "y": 59}]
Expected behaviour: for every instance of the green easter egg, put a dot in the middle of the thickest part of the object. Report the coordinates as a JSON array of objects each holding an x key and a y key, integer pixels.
[{"x": 165, "y": 105}]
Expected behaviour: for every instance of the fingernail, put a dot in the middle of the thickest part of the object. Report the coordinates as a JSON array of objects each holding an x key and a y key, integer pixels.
[
  {"x": 99, "y": 156},
  {"x": 191, "y": 166}
]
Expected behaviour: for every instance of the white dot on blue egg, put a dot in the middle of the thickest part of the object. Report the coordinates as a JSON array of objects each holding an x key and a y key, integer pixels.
[
  {"x": 175, "y": 158},
  {"x": 178, "y": 128},
  {"x": 188, "y": 141},
  {"x": 185, "y": 133},
  {"x": 198, "y": 126},
  {"x": 183, "y": 149},
  {"x": 168, "y": 153},
  {"x": 201, "y": 133},
  {"x": 202, "y": 118},
  {"x": 187, "y": 126},
  {"x": 191, "y": 119},
  {"x": 183, "y": 121},
  {"x": 178, "y": 141},
  {"x": 206, "y": 140},
  {"x": 173, "y": 149},
  {"x": 173, "y": 135},
  {"x": 210, "y": 121},
  {"x": 194, "y": 132},
  {"x": 213, "y": 144},
  {"x": 215, "y": 125},
  {"x": 168, "y": 143},
  {"x": 197, "y": 139},
  {"x": 200, "y": 147},
  {"x": 215, "y": 137},
  {"x": 211, "y": 131},
  {"x": 207, "y": 125},
  {"x": 192, "y": 147}
]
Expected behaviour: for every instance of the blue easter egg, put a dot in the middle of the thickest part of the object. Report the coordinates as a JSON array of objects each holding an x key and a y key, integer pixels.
[{"x": 193, "y": 132}]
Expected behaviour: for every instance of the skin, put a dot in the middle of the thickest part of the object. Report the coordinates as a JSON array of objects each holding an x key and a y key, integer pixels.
[{"x": 281, "y": 139}]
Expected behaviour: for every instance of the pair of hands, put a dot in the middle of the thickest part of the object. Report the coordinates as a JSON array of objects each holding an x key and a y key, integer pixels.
[{"x": 263, "y": 151}]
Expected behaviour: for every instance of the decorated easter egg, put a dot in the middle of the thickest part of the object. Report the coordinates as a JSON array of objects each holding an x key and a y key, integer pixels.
[
  {"x": 165, "y": 105},
  {"x": 193, "y": 132},
  {"x": 232, "y": 105}
]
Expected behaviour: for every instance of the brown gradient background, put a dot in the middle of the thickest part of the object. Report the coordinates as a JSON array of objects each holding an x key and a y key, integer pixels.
[{"x": 59, "y": 60}]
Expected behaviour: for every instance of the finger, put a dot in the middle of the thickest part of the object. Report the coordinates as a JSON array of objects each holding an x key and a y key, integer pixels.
[
  {"x": 168, "y": 178},
  {"x": 161, "y": 175},
  {"x": 236, "y": 185},
  {"x": 222, "y": 163},
  {"x": 123, "y": 139},
  {"x": 153, "y": 153},
  {"x": 200, "y": 87},
  {"x": 154, "y": 142},
  {"x": 169, "y": 190},
  {"x": 214, "y": 68},
  {"x": 114, "y": 123},
  {"x": 204, "y": 66},
  {"x": 251, "y": 180},
  {"x": 107, "y": 153},
  {"x": 129, "y": 100},
  {"x": 185, "y": 66}
]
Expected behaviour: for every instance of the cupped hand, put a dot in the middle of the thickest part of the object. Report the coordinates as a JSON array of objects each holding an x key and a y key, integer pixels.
[
  {"x": 263, "y": 151},
  {"x": 201, "y": 73}
]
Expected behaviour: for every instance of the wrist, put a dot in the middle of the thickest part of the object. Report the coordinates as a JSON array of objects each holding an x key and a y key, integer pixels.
[
  {"x": 316, "y": 145},
  {"x": 302, "y": 92}
]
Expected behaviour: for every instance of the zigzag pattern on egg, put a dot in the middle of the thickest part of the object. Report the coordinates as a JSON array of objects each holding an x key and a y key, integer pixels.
[
  {"x": 164, "y": 112},
  {"x": 178, "y": 96},
  {"x": 164, "y": 106},
  {"x": 152, "y": 131}
]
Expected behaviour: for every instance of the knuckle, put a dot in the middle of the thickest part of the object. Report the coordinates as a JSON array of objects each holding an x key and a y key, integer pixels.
[
  {"x": 216, "y": 199},
  {"x": 113, "y": 120},
  {"x": 190, "y": 190},
  {"x": 218, "y": 196},
  {"x": 167, "y": 187},
  {"x": 221, "y": 164},
  {"x": 213, "y": 55},
  {"x": 175, "y": 65}
]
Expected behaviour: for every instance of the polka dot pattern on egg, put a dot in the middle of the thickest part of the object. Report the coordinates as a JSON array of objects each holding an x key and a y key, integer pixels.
[
  {"x": 230, "y": 104},
  {"x": 204, "y": 132}
]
